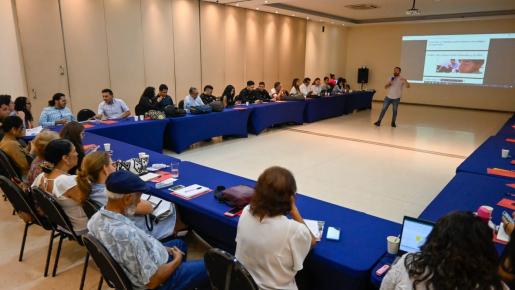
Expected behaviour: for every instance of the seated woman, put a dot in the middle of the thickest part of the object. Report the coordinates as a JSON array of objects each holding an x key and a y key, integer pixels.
[
  {"x": 55, "y": 180},
  {"x": 458, "y": 254},
  {"x": 228, "y": 97},
  {"x": 339, "y": 89},
  {"x": 316, "y": 87},
  {"x": 13, "y": 129},
  {"x": 91, "y": 179},
  {"x": 22, "y": 107},
  {"x": 273, "y": 262},
  {"x": 295, "y": 87},
  {"x": 74, "y": 132},
  {"x": 38, "y": 150},
  {"x": 147, "y": 101},
  {"x": 507, "y": 264}
]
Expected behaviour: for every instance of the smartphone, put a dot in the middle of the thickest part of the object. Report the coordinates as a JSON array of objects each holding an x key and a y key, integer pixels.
[
  {"x": 381, "y": 271},
  {"x": 507, "y": 216},
  {"x": 176, "y": 187},
  {"x": 233, "y": 212},
  {"x": 333, "y": 234}
]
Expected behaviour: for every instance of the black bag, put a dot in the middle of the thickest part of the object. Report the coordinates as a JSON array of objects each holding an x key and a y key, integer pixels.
[
  {"x": 172, "y": 112},
  {"x": 237, "y": 196},
  {"x": 216, "y": 106},
  {"x": 197, "y": 110}
]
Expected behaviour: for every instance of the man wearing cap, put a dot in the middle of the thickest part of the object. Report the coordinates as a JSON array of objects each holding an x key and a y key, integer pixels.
[{"x": 146, "y": 262}]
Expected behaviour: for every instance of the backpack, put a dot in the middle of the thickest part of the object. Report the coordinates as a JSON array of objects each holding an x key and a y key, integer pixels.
[
  {"x": 197, "y": 110},
  {"x": 172, "y": 112},
  {"x": 216, "y": 106}
]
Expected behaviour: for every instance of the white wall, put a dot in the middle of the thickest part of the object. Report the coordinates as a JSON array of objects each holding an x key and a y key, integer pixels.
[{"x": 12, "y": 79}]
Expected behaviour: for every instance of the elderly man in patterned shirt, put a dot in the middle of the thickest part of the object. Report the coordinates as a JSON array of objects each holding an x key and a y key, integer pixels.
[{"x": 146, "y": 262}]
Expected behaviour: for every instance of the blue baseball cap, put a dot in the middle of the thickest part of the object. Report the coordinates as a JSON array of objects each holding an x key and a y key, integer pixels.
[{"x": 125, "y": 182}]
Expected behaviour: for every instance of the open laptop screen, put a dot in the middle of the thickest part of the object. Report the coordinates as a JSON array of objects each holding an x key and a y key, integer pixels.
[{"x": 414, "y": 234}]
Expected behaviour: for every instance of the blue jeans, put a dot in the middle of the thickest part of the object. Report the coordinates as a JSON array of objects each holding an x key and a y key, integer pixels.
[
  {"x": 386, "y": 104},
  {"x": 189, "y": 275}
]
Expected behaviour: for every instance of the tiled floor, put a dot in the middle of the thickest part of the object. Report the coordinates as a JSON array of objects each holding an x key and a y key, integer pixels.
[{"x": 347, "y": 161}]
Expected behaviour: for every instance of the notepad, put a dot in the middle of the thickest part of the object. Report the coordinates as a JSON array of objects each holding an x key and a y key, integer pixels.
[
  {"x": 33, "y": 131},
  {"x": 162, "y": 208},
  {"x": 191, "y": 191},
  {"x": 316, "y": 228},
  {"x": 502, "y": 237},
  {"x": 149, "y": 176}
]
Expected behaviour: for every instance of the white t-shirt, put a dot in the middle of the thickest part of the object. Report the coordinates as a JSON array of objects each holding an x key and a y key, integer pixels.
[
  {"x": 304, "y": 89},
  {"x": 395, "y": 90},
  {"x": 316, "y": 90},
  {"x": 272, "y": 261}
]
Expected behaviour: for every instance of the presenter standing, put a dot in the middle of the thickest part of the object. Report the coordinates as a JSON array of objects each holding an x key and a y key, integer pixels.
[{"x": 394, "y": 86}]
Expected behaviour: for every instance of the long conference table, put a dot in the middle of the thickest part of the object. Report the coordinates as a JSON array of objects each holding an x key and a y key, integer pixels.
[{"x": 343, "y": 264}]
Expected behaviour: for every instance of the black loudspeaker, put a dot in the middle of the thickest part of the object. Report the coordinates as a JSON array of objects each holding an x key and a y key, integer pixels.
[{"x": 363, "y": 75}]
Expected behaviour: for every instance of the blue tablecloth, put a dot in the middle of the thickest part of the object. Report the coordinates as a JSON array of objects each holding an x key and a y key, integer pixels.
[
  {"x": 267, "y": 115},
  {"x": 508, "y": 130},
  {"x": 324, "y": 108},
  {"x": 343, "y": 264},
  {"x": 358, "y": 100},
  {"x": 146, "y": 134},
  {"x": 183, "y": 131},
  {"x": 488, "y": 155}
]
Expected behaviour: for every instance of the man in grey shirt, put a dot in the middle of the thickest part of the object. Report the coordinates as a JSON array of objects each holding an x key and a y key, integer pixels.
[
  {"x": 146, "y": 262},
  {"x": 394, "y": 86}
]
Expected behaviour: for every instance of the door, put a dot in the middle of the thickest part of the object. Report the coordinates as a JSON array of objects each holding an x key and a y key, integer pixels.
[{"x": 41, "y": 38}]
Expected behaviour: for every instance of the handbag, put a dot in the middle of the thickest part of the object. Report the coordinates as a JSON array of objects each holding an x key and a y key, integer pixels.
[
  {"x": 135, "y": 165},
  {"x": 197, "y": 110},
  {"x": 172, "y": 112},
  {"x": 156, "y": 115},
  {"x": 237, "y": 196}
]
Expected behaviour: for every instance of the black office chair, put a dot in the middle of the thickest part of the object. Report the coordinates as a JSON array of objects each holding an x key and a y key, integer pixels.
[
  {"x": 111, "y": 271},
  {"x": 226, "y": 273},
  {"x": 7, "y": 167},
  {"x": 85, "y": 114},
  {"x": 61, "y": 224},
  {"x": 90, "y": 207},
  {"x": 22, "y": 203},
  {"x": 181, "y": 104}
]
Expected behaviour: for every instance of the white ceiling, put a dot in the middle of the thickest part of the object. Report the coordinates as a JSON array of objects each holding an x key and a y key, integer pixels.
[{"x": 388, "y": 11}]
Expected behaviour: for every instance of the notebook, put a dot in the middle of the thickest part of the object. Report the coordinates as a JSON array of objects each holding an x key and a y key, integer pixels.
[
  {"x": 316, "y": 228},
  {"x": 191, "y": 191}
]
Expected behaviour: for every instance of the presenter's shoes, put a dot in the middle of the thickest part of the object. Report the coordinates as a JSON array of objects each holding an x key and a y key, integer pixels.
[
  {"x": 394, "y": 125},
  {"x": 378, "y": 123}
]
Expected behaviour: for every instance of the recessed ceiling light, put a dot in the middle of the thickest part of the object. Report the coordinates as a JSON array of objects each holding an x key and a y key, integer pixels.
[
  {"x": 257, "y": 8},
  {"x": 293, "y": 15},
  {"x": 266, "y": 2},
  {"x": 343, "y": 24},
  {"x": 276, "y": 11},
  {"x": 307, "y": 18},
  {"x": 237, "y": 4}
]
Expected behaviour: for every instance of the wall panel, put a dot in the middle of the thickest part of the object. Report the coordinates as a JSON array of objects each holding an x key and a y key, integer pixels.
[
  {"x": 271, "y": 48},
  {"x": 125, "y": 48},
  {"x": 235, "y": 45},
  {"x": 86, "y": 51},
  {"x": 213, "y": 45},
  {"x": 254, "y": 46},
  {"x": 158, "y": 43}
]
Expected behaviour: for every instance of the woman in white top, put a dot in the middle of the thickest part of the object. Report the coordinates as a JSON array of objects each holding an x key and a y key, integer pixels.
[
  {"x": 295, "y": 87},
  {"x": 458, "y": 254},
  {"x": 91, "y": 180},
  {"x": 273, "y": 262},
  {"x": 316, "y": 87},
  {"x": 62, "y": 156}
]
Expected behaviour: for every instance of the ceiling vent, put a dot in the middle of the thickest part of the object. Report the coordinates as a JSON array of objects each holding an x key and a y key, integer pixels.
[{"x": 361, "y": 6}]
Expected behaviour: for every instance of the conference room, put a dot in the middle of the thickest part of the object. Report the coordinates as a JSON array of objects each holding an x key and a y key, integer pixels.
[{"x": 282, "y": 144}]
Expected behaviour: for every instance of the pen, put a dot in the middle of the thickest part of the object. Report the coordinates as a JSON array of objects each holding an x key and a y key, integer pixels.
[{"x": 157, "y": 205}]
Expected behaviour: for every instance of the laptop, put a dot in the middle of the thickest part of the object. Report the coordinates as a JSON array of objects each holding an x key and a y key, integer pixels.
[{"x": 413, "y": 235}]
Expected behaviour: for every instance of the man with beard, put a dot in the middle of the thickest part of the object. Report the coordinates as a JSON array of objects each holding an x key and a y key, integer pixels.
[
  {"x": 146, "y": 262},
  {"x": 394, "y": 86}
]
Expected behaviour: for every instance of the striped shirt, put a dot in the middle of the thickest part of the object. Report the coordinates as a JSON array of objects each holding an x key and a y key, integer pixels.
[
  {"x": 113, "y": 110},
  {"x": 51, "y": 114}
]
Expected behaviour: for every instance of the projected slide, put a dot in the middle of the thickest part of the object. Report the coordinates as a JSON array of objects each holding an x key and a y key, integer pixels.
[{"x": 469, "y": 59}]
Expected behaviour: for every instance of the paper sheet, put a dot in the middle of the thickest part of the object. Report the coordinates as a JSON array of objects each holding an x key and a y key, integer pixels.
[
  {"x": 149, "y": 176},
  {"x": 316, "y": 228},
  {"x": 33, "y": 131},
  {"x": 502, "y": 235}
]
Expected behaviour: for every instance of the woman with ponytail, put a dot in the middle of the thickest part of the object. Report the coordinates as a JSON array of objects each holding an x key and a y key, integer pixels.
[
  {"x": 95, "y": 169},
  {"x": 61, "y": 156}
]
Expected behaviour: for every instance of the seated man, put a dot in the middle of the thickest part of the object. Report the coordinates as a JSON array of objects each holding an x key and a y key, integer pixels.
[
  {"x": 207, "y": 95},
  {"x": 247, "y": 94},
  {"x": 13, "y": 129},
  {"x": 192, "y": 100},
  {"x": 163, "y": 99},
  {"x": 261, "y": 93},
  {"x": 146, "y": 262},
  {"x": 111, "y": 107},
  {"x": 5, "y": 101},
  {"x": 56, "y": 113},
  {"x": 277, "y": 93},
  {"x": 304, "y": 87}
]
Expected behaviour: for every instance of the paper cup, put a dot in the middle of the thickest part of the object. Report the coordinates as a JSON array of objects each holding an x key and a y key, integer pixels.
[
  {"x": 393, "y": 244},
  {"x": 505, "y": 153},
  {"x": 141, "y": 117},
  {"x": 142, "y": 154},
  {"x": 484, "y": 212},
  {"x": 136, "y": 118},
  {"x": 107, "y": 147}
]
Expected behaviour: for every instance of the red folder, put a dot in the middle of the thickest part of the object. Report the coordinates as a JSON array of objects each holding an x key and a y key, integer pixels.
[
  {"x": 510, "y": 140},
  {"x": 87, "y": 126},
  {"x": 507, "y": 203},
  {"x": 108, "y": 122},
  {"x": 501, "y": 172}
]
